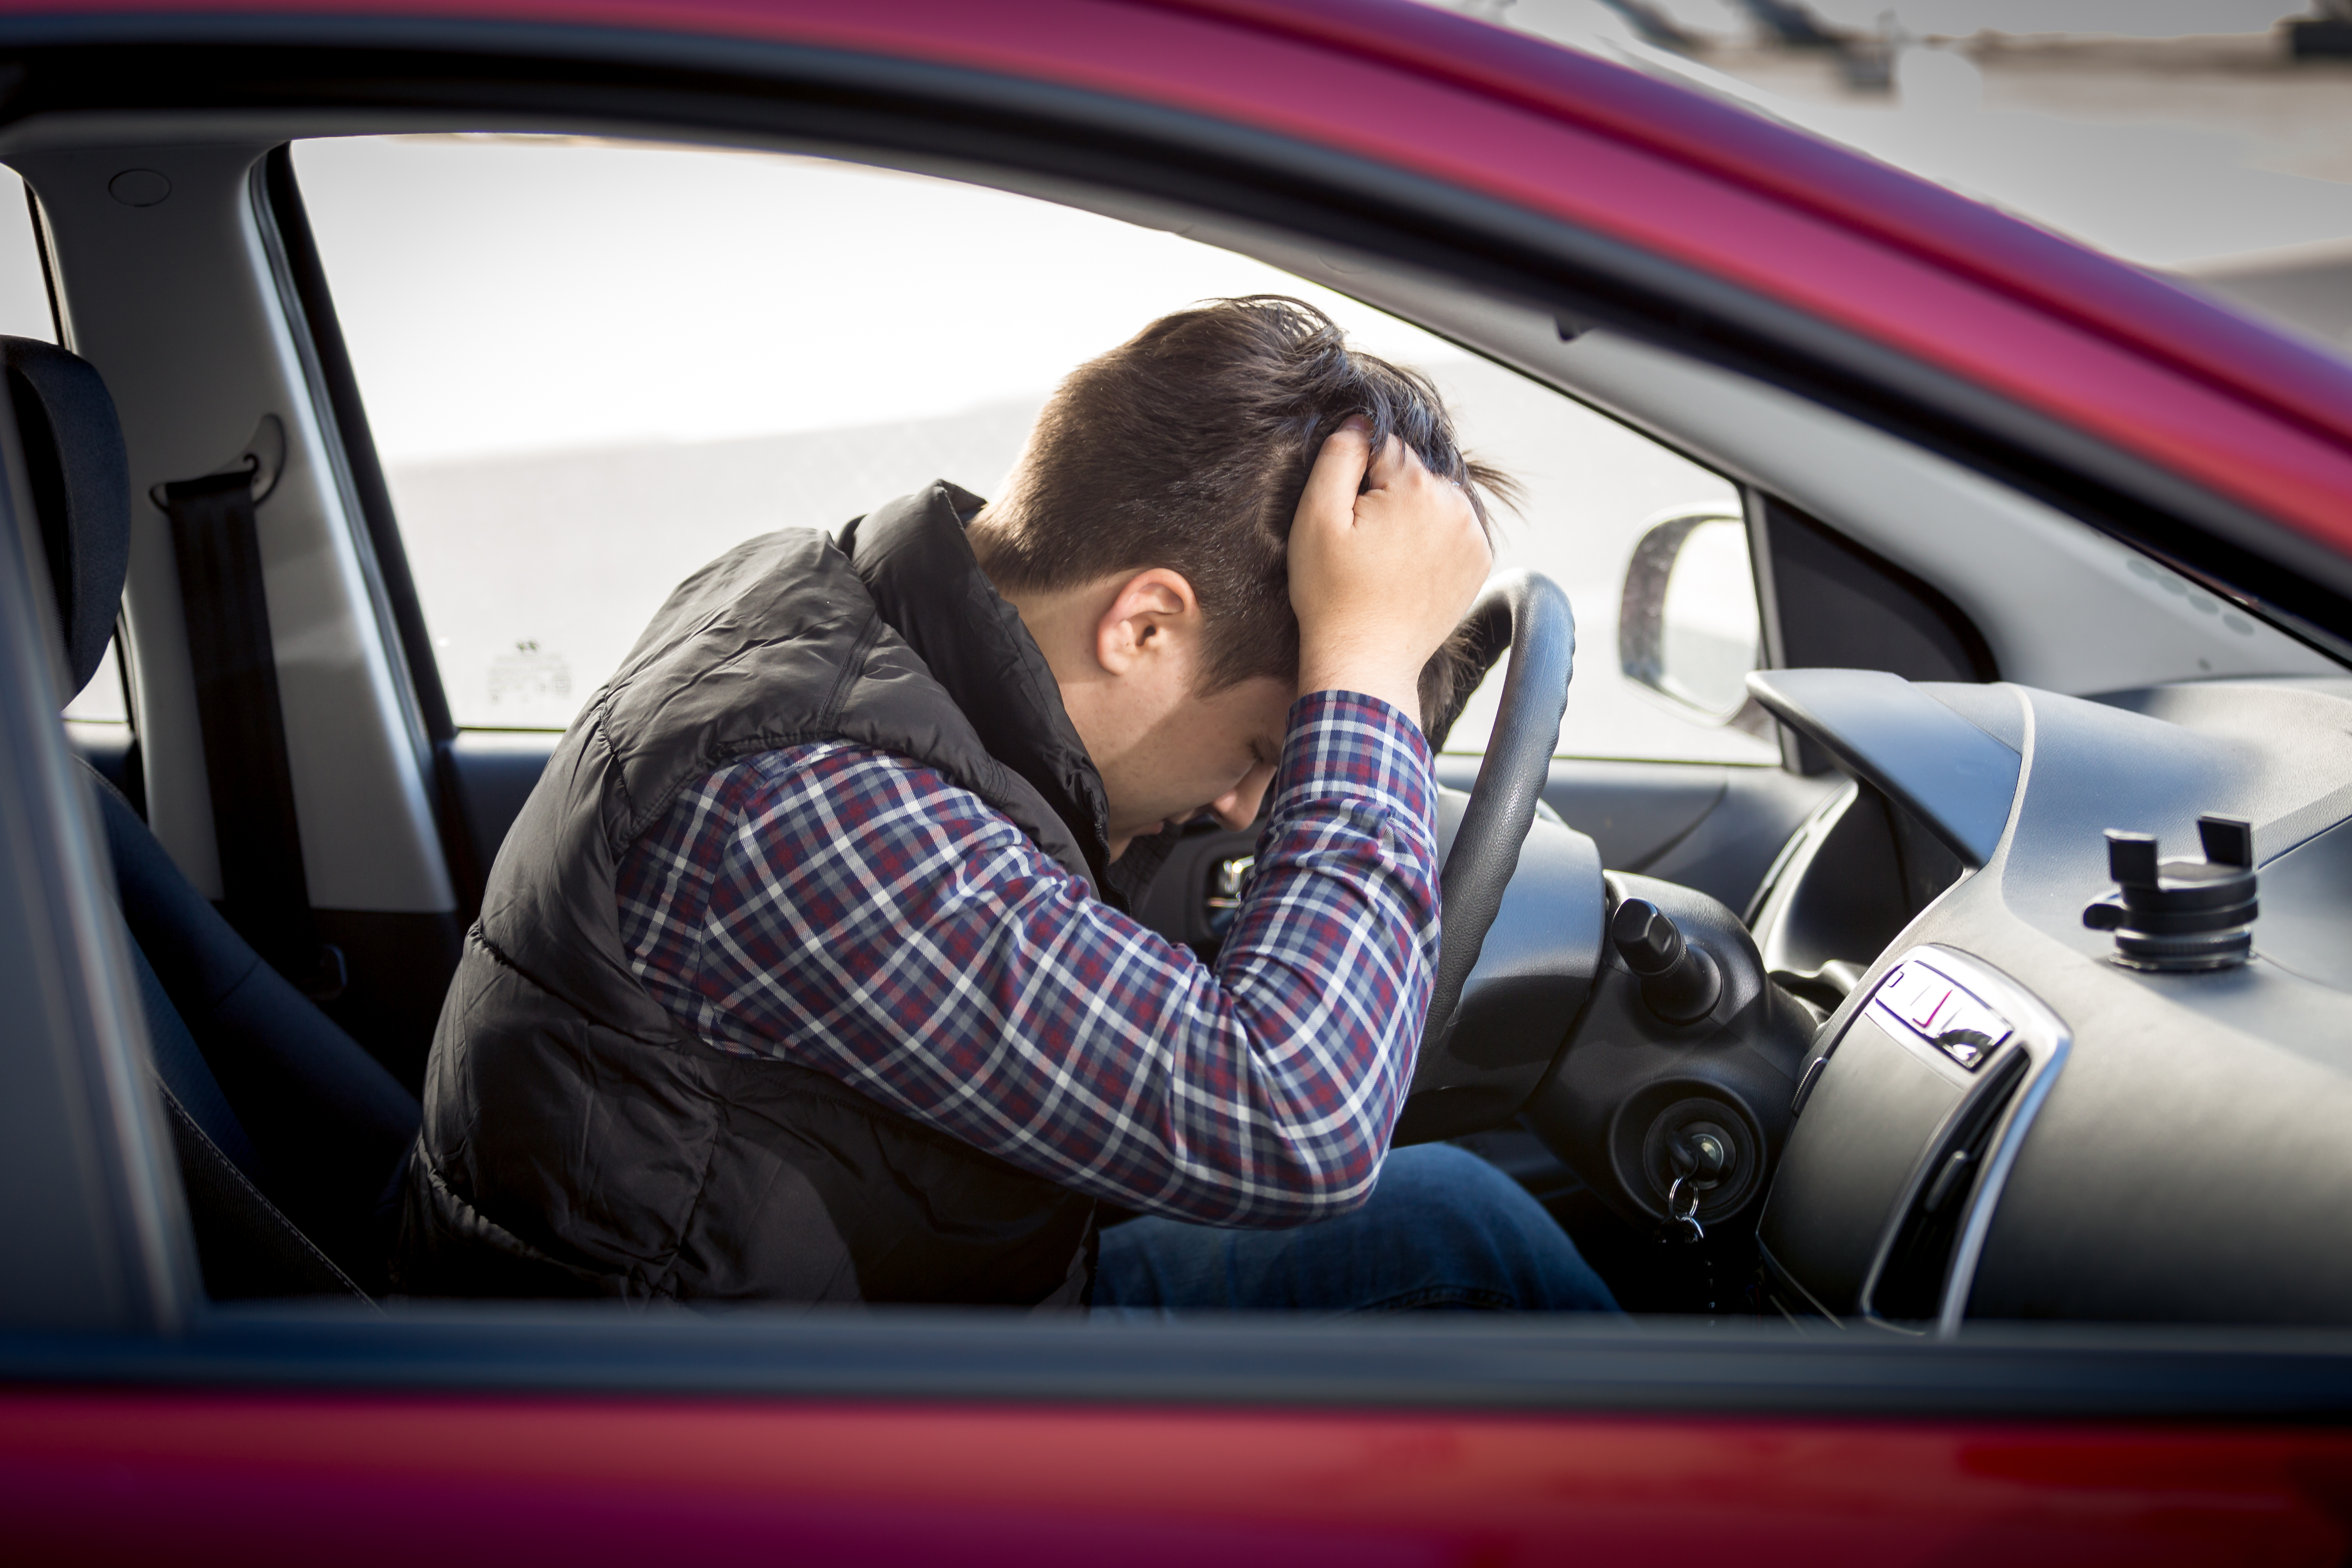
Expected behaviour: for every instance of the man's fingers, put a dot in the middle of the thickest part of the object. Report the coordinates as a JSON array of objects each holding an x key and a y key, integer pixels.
[
  {"x": 1390, "y": 464},
  {"x": 1339, "y": 470}
]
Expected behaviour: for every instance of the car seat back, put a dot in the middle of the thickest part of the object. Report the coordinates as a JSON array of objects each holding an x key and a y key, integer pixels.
[
  {"x": 77, "y": 476},
  {"x": 289, "y": 1136}
]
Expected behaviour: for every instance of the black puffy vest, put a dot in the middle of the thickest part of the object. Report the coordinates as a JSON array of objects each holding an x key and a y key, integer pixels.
[{"x": 578, "y": 1140}]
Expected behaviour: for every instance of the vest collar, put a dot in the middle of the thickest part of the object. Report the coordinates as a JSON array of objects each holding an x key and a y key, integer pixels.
[{"x": 928, "y": 585}]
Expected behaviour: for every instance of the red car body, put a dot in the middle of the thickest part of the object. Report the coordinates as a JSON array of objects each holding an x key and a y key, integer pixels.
[
  {"x": 239, "y": 1477},
  {"x": 213, "y": 1466}
]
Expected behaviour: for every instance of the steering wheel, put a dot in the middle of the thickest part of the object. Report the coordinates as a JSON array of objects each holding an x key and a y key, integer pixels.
[
  {"x": 1527, "y": 614},
  {"x": 1506, "y": 1045}
]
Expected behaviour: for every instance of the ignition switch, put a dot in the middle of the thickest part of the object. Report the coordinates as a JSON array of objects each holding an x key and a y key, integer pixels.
[
  {"x": 1700, "y": 1152},
  {"x": 1701, "y": 1156},
  {"x": 1679, "y": 982}
]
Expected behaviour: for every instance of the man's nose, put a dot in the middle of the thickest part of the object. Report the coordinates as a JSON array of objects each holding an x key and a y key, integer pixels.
[{"x": 1237, "y": 808}]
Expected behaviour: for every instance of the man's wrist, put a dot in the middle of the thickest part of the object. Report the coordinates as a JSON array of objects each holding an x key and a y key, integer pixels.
[{"x": 1399, "y": 689}]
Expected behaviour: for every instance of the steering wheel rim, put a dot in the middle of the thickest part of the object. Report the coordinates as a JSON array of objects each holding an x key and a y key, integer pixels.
[{"x": 1526, "y": 613}]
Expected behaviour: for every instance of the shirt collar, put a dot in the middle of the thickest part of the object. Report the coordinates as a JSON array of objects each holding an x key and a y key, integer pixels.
[{"x": 915, "y": 561}]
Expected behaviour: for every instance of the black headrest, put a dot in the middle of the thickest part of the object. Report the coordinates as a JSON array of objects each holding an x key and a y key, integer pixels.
[{"x": 81, "y": 489}]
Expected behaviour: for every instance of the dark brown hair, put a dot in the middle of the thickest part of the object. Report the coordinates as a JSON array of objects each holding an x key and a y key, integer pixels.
[{"x": 1187, "y": 447}]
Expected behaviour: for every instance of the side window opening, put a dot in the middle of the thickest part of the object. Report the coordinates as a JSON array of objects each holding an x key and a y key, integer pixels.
[
  {"x": 100, "y": 727},
  {"x": 26, "y": 309},
  {"x": 99, "y": 719},
  {"x": 107, "y": 698},
  {"x": 1594, "y": 490},
  {"x": 590, "y": 366}
]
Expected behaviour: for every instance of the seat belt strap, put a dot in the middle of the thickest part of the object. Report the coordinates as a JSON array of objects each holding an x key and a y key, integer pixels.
[{"x": 265, "y": 891}]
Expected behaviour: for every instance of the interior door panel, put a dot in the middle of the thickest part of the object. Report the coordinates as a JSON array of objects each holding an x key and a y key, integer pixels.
[{"x": 495, "y": 771}]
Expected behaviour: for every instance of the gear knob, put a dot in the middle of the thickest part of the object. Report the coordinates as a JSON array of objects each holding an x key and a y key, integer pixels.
[{"x": 1679, "y": 982}]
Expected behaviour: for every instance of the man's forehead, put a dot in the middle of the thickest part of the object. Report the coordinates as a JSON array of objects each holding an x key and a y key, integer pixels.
[{"x": 1267, "y": 712}]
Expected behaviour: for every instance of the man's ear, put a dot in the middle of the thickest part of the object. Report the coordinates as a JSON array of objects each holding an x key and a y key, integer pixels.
[{"x": 1152, "y": 616}]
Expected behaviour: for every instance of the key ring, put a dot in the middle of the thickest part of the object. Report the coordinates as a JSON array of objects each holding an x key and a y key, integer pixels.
[{"x": 1681, "y": 1209}]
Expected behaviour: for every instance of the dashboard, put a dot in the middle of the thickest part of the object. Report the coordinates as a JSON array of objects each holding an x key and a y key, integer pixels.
[
  {"x": 2012, "y": 1114},
  {"x": 1939, "y": 1088}
]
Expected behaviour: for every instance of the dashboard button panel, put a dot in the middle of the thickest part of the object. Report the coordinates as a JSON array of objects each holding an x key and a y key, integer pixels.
[
  {"x": 1942, "y": 1012},
  {"x": 1913, "y": 1113}
]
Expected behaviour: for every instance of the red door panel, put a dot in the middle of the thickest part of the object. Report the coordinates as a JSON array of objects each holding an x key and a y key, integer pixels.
[{"x": 106, "y": 1477}]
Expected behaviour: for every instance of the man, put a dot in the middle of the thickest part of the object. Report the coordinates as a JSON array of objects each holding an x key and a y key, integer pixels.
[{"x": 803, "y": 976}]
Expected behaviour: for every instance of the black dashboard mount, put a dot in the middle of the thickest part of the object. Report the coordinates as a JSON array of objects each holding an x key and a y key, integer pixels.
[{"x": 2181, "y": 916}]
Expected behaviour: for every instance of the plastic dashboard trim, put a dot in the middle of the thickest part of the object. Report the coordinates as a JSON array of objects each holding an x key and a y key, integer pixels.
[{"x": 2047, "y": 1042}]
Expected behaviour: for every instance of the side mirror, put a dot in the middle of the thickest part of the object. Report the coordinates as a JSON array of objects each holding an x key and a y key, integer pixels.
[{"x": 1687, "y": 625}]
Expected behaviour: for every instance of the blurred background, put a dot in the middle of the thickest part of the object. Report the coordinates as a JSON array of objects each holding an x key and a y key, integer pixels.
[{"x": 2211, "y": 138}]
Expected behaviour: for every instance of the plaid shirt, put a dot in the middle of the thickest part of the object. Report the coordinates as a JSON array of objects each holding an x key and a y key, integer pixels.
[{"x": 852, "y": 911}]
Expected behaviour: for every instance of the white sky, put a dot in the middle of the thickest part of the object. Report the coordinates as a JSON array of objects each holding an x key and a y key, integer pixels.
[
  {"x": 2135, "y": 18},
  {"x": 2132, "y": 18},
  {"x": 590, "y": 367},
  {"x": 2142, "y": 187},
  {"x": 501, "y": 295}
]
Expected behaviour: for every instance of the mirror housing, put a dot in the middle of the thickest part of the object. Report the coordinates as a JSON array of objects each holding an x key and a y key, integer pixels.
[{"x": 1689, "y": 625}]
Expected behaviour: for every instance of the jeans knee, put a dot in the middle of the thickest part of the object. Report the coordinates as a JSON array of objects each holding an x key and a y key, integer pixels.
[
  {"x": 1440, "y": 1177},
  {"x": 1489, "y": 1232}
]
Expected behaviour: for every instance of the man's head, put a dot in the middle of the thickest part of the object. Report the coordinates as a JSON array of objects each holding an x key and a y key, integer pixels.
[{"x": 1144, "y": 532}]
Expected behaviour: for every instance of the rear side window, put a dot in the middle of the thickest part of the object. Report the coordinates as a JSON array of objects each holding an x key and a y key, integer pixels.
[
  {"x": 591, "y": 366},
  {"x": 24, "y": 287},
  {"x": 25, "y": 312}
]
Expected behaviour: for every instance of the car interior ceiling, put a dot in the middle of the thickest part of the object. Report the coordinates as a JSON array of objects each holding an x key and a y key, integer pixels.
[{"x": 291, "y": 1117}]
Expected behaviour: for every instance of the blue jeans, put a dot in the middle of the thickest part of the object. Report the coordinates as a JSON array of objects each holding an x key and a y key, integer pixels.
[{"x": 1443, "y": 1229}]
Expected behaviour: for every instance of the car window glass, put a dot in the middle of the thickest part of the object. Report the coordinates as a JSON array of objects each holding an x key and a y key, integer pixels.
[
  {"x": 24, "y": 313},
  {"x": 24, "y": 288},
  {"x": 1592, "y": 489},
  {"x": 104, "y": 700},
  {"x": 590, "y": 366}
]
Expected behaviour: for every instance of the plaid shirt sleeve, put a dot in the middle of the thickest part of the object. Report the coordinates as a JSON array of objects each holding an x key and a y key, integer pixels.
[{"x": 853, "y": 912}]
